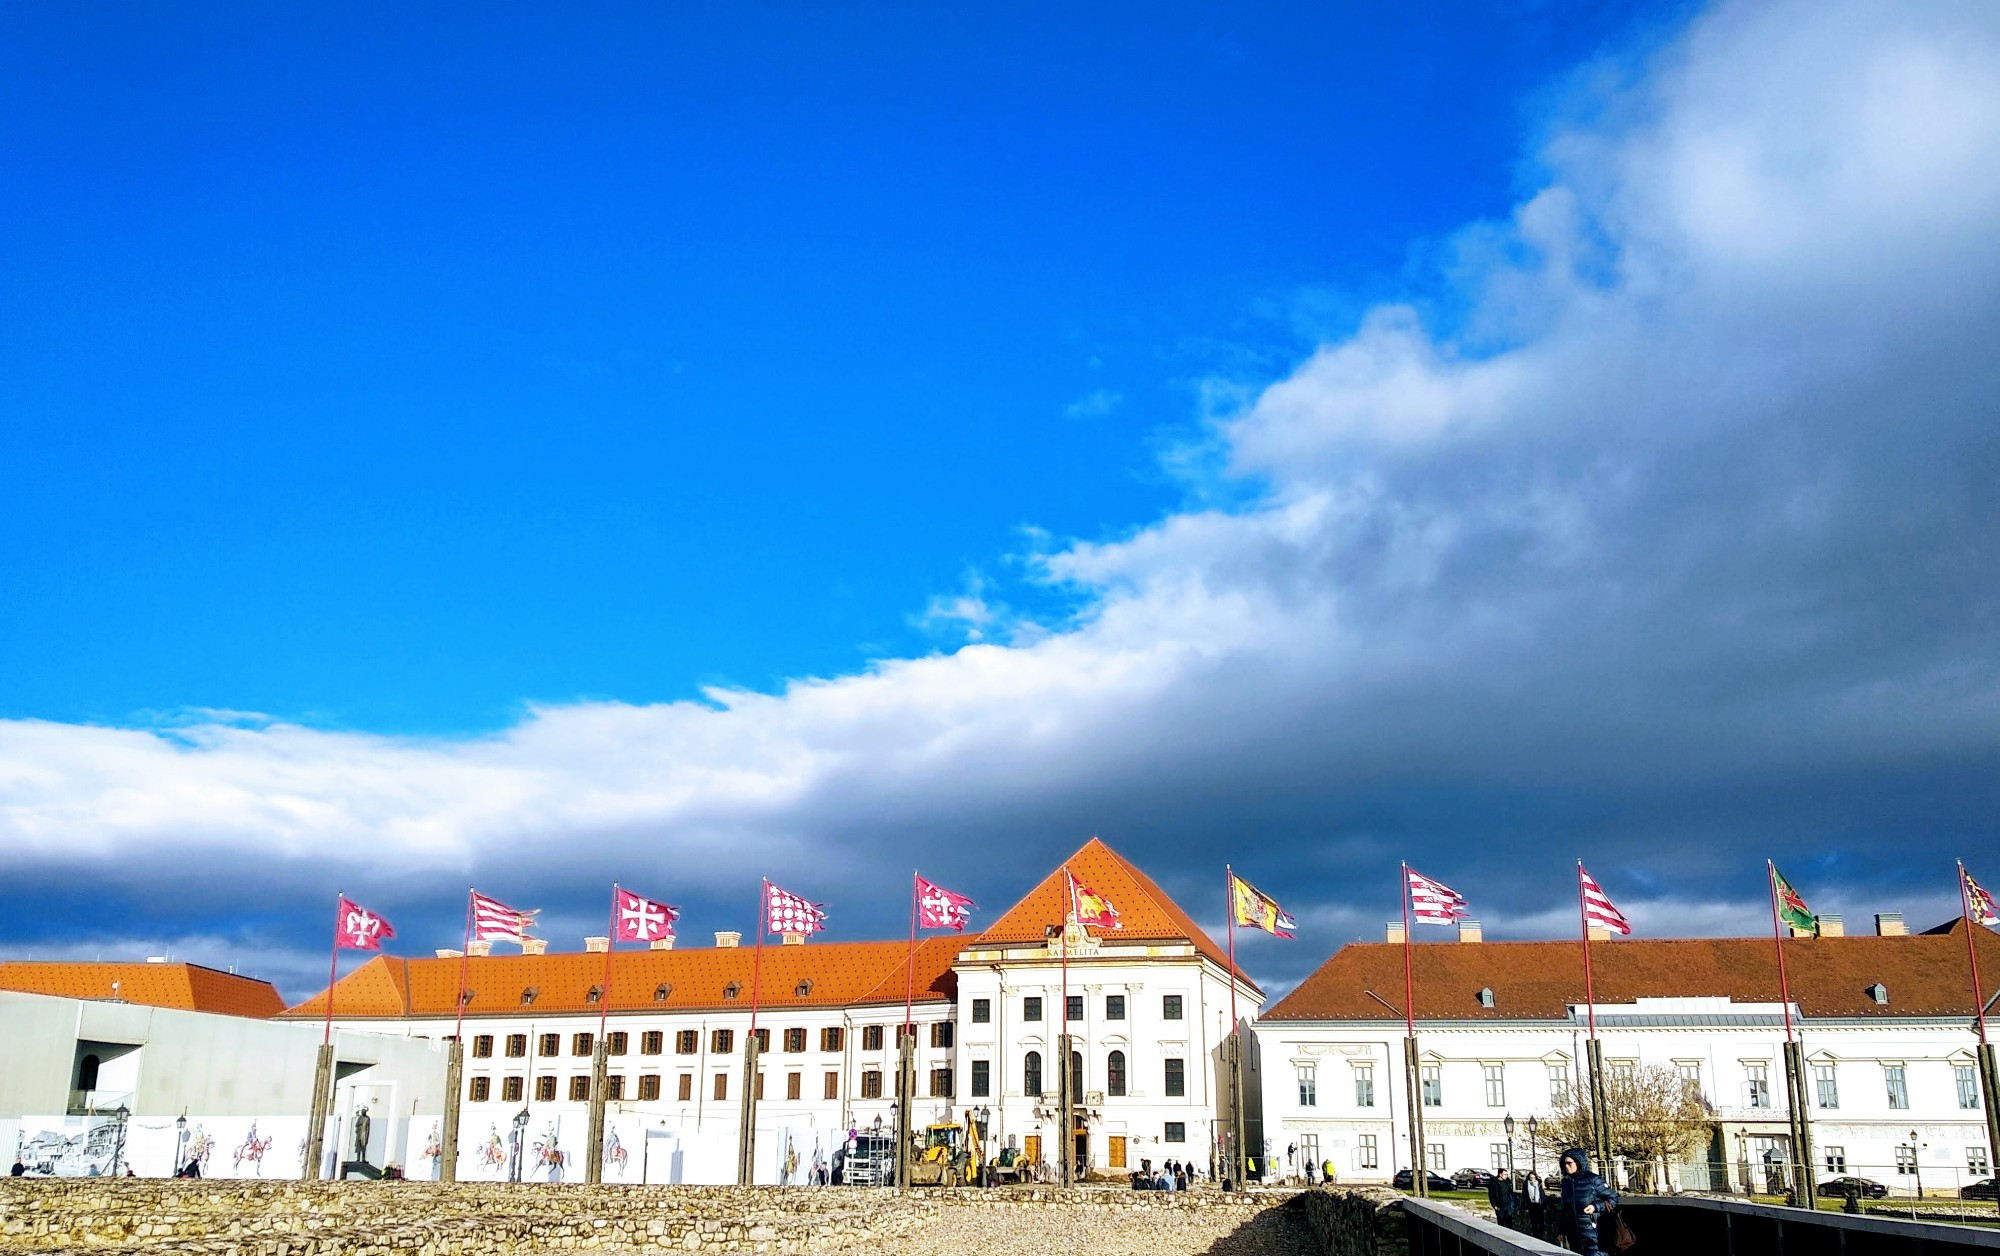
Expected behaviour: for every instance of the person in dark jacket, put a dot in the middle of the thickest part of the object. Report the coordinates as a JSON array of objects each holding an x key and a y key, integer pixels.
[
  {"x": 1500, "y": 1193},
  {"x": 1585, "y": 1196}
]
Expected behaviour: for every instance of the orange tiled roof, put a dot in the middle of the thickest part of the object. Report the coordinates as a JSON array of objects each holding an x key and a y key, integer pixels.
[
  {"x": 841, "y": 974},
  {"x": 1144, "y": 910},
  {"x": 1926, "y": 975},
  {"x": 188, "y": 987}
]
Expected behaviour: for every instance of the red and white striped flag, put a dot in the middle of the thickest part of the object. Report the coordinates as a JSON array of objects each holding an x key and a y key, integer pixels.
[
  {"x": 494, "y": 921},
  {"x": 643, "y": 920},
  {"x": 788, "y": 913},
  {"x": 355, "y": 928},
  {"x": 1597, "y": 907},
  {"x": 1433, "y": 902},
  {"x": 939, "y": 908}
]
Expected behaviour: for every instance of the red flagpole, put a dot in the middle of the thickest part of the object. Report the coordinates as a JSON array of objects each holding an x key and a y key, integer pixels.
[
  {"x": 1589, "y": 982},
  {"x": 1972, "y": 953},
  {"x": 610, "y": 940},
  {"x": 464, "y": 957},
  {"x": 1069, "y": 905},
  {"x": 1778, "y": 939},
  {"x": 757, "y": 962},
  {"x": 1229, "y": 905},
  {"x": 333, "y": 966},
  {"x": 1409, "y": 979},
  {"x": 910, "y": 968}
]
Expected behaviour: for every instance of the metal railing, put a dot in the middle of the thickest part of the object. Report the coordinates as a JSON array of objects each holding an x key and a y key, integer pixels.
[
  {"x": 1441, "y": 1230},
  {"x": 1729, "y": 1227}
]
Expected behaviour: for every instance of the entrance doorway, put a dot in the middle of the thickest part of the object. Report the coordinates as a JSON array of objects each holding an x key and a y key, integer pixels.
[
  {"x": 1032, "y": 1148},
  {"x": 1082, "y": 1161},
  {"x": 1115, "y": 1145}
]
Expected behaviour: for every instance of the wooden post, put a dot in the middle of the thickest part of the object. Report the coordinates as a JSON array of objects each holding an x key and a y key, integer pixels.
[
  {"x": 322, "y": 1101},
  {"x": 746, "y": 1140},
  {"x": 454, "y": 1082},
  {"x": 600, "y": 1069},
  {"x": 1419, "y": 1171}
]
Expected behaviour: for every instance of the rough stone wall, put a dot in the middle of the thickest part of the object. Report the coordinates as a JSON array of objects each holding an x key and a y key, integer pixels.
[{"x": 1355, "y": 1221}]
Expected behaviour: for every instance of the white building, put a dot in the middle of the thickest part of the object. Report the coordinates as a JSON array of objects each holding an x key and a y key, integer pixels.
[{"x": 1886, "y": 1023}]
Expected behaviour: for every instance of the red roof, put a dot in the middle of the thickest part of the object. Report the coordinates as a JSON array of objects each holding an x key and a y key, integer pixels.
[
  {"x": 1145, "y": 912},
  {"x": 1924, "y": 974},
  {"x": 187, "y": 987}
]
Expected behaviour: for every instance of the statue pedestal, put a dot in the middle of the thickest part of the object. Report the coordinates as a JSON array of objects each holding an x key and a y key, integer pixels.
[{"x": 350, "y": 1169}]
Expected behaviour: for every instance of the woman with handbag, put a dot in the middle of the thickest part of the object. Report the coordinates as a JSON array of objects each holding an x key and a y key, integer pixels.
[{"x": 1585, "y": 1198}]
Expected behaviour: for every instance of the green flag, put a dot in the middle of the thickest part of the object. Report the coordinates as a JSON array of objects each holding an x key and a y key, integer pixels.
[{"x": 1791, "y": 908}]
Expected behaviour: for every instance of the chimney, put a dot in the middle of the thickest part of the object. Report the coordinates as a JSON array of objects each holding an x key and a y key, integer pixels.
[
  {"x": 1598, "y": 933},
  {"x": 1393, "y": 932},
  {"x": 1796, "y": 932},
  {"x": 449, "y": 952},
  {"x": 1889, "y": 924},
  {"x": 479, "y": 948},
  {"x": 728, "y": 937},
  {"x": 793, "y": 939},
  {"x": 1469, "y": 931},
  {"x": 664, "y": 944},
  {"x": 534, "y": 946},
  {"x": 597, "y": 946},
  {"x": 1832, "y": 927}
]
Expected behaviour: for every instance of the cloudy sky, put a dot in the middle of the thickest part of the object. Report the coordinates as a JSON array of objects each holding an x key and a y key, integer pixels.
[{"x": 527, "y": 450}]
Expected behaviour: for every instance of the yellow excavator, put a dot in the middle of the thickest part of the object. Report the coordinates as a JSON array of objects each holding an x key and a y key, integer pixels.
[{"x": 951, "y": 1155}]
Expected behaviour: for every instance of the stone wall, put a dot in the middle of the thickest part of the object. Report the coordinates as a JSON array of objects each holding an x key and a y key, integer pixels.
[{"x": 1355, "y": 1221}]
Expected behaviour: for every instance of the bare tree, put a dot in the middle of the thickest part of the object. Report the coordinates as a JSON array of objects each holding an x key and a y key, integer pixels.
[{"x": 1656, "y": 1115}]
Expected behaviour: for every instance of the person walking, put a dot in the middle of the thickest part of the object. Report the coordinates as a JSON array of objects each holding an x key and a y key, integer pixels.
[
  {"x": 1500, "y": 1194},
  {"x": 1531, "y": 1195},
  {"x": 1585, "y": 1196}
]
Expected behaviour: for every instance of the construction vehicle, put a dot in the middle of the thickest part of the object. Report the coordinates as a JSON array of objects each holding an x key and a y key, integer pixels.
[{"x": 951, "y": 1155}]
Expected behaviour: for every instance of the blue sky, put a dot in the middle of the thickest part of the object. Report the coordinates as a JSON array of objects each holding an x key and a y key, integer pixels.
[{"x": 528, "y": 446}]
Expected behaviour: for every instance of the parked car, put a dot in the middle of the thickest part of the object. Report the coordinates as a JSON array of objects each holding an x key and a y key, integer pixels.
[
  {"x": 1869, "y": 1188},
  {"x": 1472, "y": 1179},
  {"x": 1403, "y": 1181},
  {"x": 1989, "y": 1189}
]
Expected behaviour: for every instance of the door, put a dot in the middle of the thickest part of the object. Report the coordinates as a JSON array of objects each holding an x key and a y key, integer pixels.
[
  {"x": 1033, "y": 1148},
  {"x": 1117, "y": 1150}
]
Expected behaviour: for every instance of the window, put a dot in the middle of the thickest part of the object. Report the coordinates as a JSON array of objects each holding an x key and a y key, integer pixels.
[
  {"x": 1624, "y": 1070},
  {"x": 614, "y": 1086},
  {"x": 1367, "y": 1155},
  {"x": 1176, "y": 1078},
  {"x": 794, "y": 1083},
  {"x": 1073, "y": 1008},
  {"x": 482, "y": 1089},
  {"x": 1975, "y": 1161},
  {"x": 686, "y": 1087},
  {"x": 1496, "y": 1084},
  {"x": 1309, "y": 1149},
  {"x": 795, "y": 1040},
  {"x": 1558, "y": 1078},
  {"x": 1170, "y": 1007},
  {"x": 1906, "y": 1159},
  {"x": 1114, "y": 1007},
  {"x": 1114, "y": 1073},
  {"x": 579, "y": 1089},
  {"x": 652, "y": 1042},
  {"x": 1897, "y": 1084},
  {"x": 871, "y": 1084},
  {"x": 619, "y": 1041},
  {"x": 545, "y": 1088},
  {"x": 1436, "y": 1156},
  {"x": 1968, "y": 1085},
  {"x": 649, "y": 1087},
  {"x": 722, "y": 1085},
  {"x": 982, "y": 1079},
  {"x": 1757, "y": 1080},
  {"x": 759, "y": 1088},
  {"x": 982, "y": 1011},
  {"x": 510, "y": 1088},
  {"x": 595, "y": 995},
  {"x": 1836, "y": 1161},
  {"x": 582, "y": 1044},
  {"x": 829, "y": 1038},
  {"x": 763, "y": 1042},
  {"x": 1031, "y": 1008},
  {"x": 482, "y": 1048},
  {"x": 832, "y": 1087},
  {"x": 1433, "y": 1085},
  {"x": 1364, "y": 1085},
  {"x": 1031, "y": 1074},
  {"x": 517, "y": 1046},
  {"x": 941, "y": 1034},
  {"x": 941, "y": 1083},
  {"x": 1308, "y": 1086},
  {"x": 1076, "y": 1075},
  {"x": 1175, "y": 1132},
  {"x": 1496, "y": 1157},
  {"x": 871, "y": 1037},
  {"x": 551, "y": 1044},
  {"x": 1826, "y": 1086},
  {"x": 722, "y": 1041},
  {"x": 687, "y": 1041},
  {"x": 1689, "y": 1071}
]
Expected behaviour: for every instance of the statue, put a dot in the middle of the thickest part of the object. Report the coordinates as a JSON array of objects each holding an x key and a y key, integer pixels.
[{"x": 361, "y": 1127}]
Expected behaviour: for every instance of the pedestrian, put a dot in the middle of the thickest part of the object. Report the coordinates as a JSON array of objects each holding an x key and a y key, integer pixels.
[
  {"x": 1180, "y": 1177},
  {"x": 1531, "y": 1193},
  {"x": 1500, "y": 1193},
  {"x": 20, "y": 1170},
  {"x": 1585, "y": 1197},
  {"x": 1327, "y": 1172},
  {"x": 1311, "y": 1173}
]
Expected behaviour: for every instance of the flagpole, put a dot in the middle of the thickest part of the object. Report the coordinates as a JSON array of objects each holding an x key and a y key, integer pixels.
[
  {"x": 610, "y": 940},
  {"x": 1600, "y": 1107},
  {"x": 1235, "y": 1043},
  {"x": 757, "y": 961},
  {"x": 1972, "y": 953},
  {"x": 1778, "y": 939},
  {"x": 746, "y": 1137},
  {"x": 333, "y": 970},
  {"x": 464, "y": 957},
  {"x": 1798, "y": 1114},
  {"x": 1589, "y": 981},
  {"x": 1419, "y": 1172},
  {"x": 1067, "y": 1147},
  {"x": 910, "y": 967},
  {"x": 600, "y": 1057},
  {"x": 1989, "y": 1069}
]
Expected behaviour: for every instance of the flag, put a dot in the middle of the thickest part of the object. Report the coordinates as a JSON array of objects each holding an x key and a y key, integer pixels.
[
  {"x": 788, "y": 913},
  {"x": 494, "y": 921},
  {"x": 358, "y": 929},
  {"x": 1258, "y": 910},
  {"x": 1792, "y": 909},
  {"x": 1979, "y": 900},
  {"x": 642, "y": 919},
  {"x": 1089, "y": 907},
  {"x": 1433, "y": 902},
  {"x": 939, "y": 908},
  {"x": 1597, "y": 907}
]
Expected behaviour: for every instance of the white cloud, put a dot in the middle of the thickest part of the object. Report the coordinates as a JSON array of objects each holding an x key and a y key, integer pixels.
[{"x": 1094, "y": 406}]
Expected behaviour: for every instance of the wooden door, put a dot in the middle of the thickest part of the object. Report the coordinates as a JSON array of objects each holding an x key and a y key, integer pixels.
[
  {"x": 1117, "y": 1150},
  {"x": 1033, "y": 1149}
]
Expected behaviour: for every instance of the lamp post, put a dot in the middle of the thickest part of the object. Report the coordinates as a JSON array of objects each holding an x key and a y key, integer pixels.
[
  {"x": 520, "y": 1143},
  {"x": 118, "y": 1149},
  {"x": 1507, "y": 1123},
  {"x": 1531, "y": 1145},
  {"x": 1916, "y": 1163},
  {"x": 180, "y": 1143}
]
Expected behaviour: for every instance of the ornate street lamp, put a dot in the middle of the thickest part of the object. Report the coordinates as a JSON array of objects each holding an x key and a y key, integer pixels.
[
  {"x": 1507, "y": 1123},
  {"x": 521, "y": 1119},
  {"x": 180, "y": 1143},
  {"x": 1531, "y": 1146},
  {"x": 118, "y": 1151},
  {"x": 1916, "y": 1163}
]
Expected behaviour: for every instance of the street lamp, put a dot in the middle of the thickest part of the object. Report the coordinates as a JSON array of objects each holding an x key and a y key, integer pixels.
[
  {"x": 118, "y": 1152},
  {"x": 1531, "y": 1145},
  {"x": 180, "y": 1143},
  {"x": 1916, "y": 1163},
  {"x": 1507, "y": 1123},
  {"x": 520, "y": 1143}
]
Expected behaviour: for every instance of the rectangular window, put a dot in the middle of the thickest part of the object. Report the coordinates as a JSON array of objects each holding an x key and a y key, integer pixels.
[
  {"x": 1367, "y": 1155},
  {"x": 1176, "y": 1132},
  {"x": 652, "y": 1042},
  {"x": 686, "y": 1087},
  {"x": 795, "y": 1040},
  {"x": 1309, "y": 1149},
  {"x": 482, "y": 1047},
  {"x": 794, "y": 1085},
  {"x": 551, "y": 1045},
  {"x": 1031, "y": 1008},
  {"x": 832, "y": 1087},
  {"x": 1897, "y": 1084},
  {"x": 619, "y": 1041},
  {"x": 721, "y": 1041},
  {"x": 1757, "y": 1080},
  {"x": 871, "y": 1084},
  {"x": 1073, "y": 1007},
  {"x": 482, "y": 1089},
  {"x": 1176, "y": 1078},
  {"x": 583, "y": 1044},
  {"x": 1308, "y": 1086},
  {"x": 579, "y": 1089},
  {"x": 760, "y": 1086},
  {"x": 510, "y": 1088},
  {"x": 1968, "y": 1085},
  {"x": 1170, "y": 1007},
  {"x": 1433, "y": 1085},
  {"x": 1906, "y": 1159},
  {"x": 1558, "y": 1079},
  {"x": 1835, "y": 1159},
  {"x": 941, "y": 1083},
  {"x": 1114, "y": 1007},
  {"x": 1496, "y": 1084},
  {"x": 982, "y": 1011},
  {"x": 982, "y": 1079},
  {"x": 517, "y": 1046},
  {"x": 1826, "y": 1086},
  {"x": 1624, "y": 1070},
  {"x": 871, "y": 1037},
  {"x": 722, "y": 1085},
  {"x": 1496, "y": 1157},
  {"x": 614, "y": 1086},
  {"x": 1437, "y": 1156},
  {"x": 649, "y": 1086},
  {"x": 763, "y": 1042},
  {"x": 687, "y": 1041},
  {"x": 941, "y": 1035},
  {"x": 1364, "y": 1085},
  {"x": 829, "y": 1038},
  {"x": 1689, "y": 1071},
  {"x": 545, "y": 1088},
  {"x": 1975, "y": 1161}
]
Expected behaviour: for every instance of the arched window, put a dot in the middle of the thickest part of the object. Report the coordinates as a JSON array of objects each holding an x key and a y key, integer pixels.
[
  {"x": 1114, "y": 1074},
  {"x": 1076, "y": 1076},
  {"x": 86, "y": 1073},
  {"x": 1031, "y": 1074}
]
